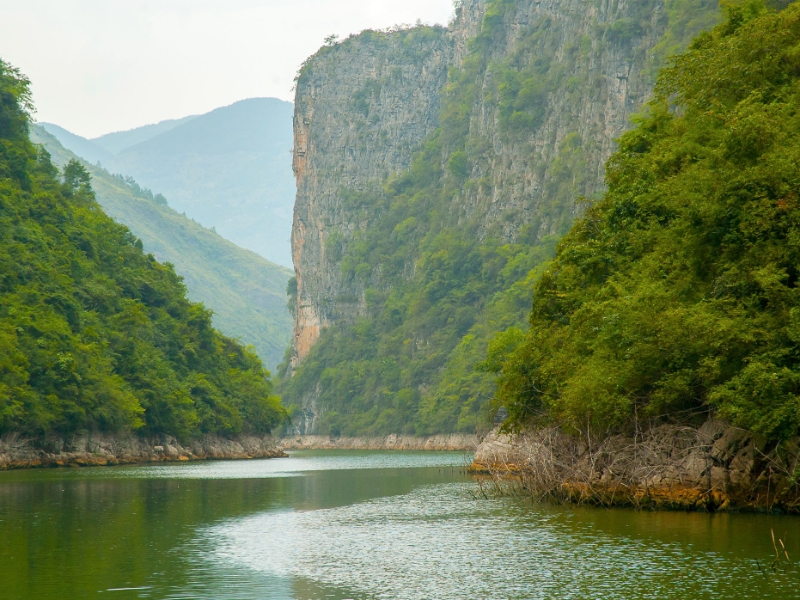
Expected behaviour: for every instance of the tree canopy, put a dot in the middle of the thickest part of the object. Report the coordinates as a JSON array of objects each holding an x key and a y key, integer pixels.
[
  {"x": 677, "y": 293},
  {"x": 94, "y": 334}
]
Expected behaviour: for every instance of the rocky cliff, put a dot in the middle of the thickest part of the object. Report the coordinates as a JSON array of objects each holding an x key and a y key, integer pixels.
[
  {"x": 362, "y": 107},
  {"x": 711, "y": 467},
  {"x": 439, "y": 158}
]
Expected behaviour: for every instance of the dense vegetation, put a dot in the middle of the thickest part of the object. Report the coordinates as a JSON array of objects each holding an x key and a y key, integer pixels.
[
  {"x": 677, "y": 293},
  {"x": 245, "y": 292},
  {"x": 94, "y": 334},
  {"x": 439, "y": 277}
]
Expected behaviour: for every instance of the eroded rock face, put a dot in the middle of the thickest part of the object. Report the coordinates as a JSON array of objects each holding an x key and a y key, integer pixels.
[
  {"x": 364, "y": 106},
  {"x": 361, "y": 108},
  {"x": 715, "y": 466}
]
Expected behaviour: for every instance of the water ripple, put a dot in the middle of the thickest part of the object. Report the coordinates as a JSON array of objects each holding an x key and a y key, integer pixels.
[{"x": 438, "y": 542}]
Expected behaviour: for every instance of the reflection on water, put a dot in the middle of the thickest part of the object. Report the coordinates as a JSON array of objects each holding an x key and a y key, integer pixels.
[
  {"x": 357, "y": 525},
  {"x": 438, "y": 542}
]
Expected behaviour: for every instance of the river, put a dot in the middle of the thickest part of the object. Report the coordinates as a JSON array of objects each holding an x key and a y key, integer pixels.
[{"x": 359, "y": 525}]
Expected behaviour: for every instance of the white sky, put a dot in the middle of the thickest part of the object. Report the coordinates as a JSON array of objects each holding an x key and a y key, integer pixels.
[{"x": 98, "y": 66}]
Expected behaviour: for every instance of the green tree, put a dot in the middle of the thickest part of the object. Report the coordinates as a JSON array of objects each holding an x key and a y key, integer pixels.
[
  {"x": 677, "y": 293},
  {"x": 94, "y": 334}
]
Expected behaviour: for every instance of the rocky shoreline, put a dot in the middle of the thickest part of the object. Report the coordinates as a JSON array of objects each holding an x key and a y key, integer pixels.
[
  {"x": 454, "y": 441},
  {"x": 715, "y": 467},
  {"x": 18, "y": 452}
]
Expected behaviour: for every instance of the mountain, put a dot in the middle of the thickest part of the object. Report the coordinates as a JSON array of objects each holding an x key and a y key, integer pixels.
[
  {"x": 436, "y": 170},
  {"x": 245, "y": 291},
  {"x": 116, "y": 142},
  {"x": 228, "y": 169},
  {"x": 96, "y": 335},
  {"x": 677, "y": 293},
  {"x": 105, "y": 147},
  {"x": 82, "y": 147}
]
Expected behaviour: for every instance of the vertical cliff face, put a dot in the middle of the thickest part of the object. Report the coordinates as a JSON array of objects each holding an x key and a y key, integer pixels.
[
  {"x": 433, "y": 168},
  {"x": 362, "y": 108},
  {"x": 562, "y": 79}
]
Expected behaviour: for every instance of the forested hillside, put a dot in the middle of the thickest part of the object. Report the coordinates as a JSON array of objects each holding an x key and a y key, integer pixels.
[
  {"x": 246, "y": 292},
  {"x": 405, "y": 278},
  {"x": 677, "y": 293},
  {"x": 94, "y": 333}
]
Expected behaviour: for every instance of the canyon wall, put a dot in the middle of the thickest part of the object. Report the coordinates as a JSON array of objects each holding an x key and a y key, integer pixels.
[
  {"x": 362, "y": 107},
  {"x": 521, "y": 101}
]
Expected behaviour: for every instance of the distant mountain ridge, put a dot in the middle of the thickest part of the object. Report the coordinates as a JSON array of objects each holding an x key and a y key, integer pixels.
[
  {"x": 229, "y": 169},
  {"x": 118, "y": 141},
  {"x": 85, "y": 148},
  {"x": 105, "y": 147},
  {"x": 246, "y": 292}
]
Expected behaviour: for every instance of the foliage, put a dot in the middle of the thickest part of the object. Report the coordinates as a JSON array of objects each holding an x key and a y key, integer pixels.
[
  {"x": 94, "y": 334},
  {"x": 685, "y": 19},
  {"x": 677, "y": 293},
  {"x": 438, "y": 276}
]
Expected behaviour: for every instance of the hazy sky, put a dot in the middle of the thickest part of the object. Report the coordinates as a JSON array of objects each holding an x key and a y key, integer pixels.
[{"x": 106, "y": 65}]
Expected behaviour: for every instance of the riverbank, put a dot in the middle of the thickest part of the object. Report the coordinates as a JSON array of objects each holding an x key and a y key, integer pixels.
[
  {"x": 18, "y": 452},
  {"x": 713, "y": 467},
  {"x": 453, "y": 441}
]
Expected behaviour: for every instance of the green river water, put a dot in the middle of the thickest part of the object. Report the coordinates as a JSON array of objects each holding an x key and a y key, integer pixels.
[{"x": 359, "y": 525}]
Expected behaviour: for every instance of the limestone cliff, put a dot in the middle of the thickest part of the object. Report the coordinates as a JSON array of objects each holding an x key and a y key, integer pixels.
[
  {"x": 485, "y": 133},
  {"x": 361, "y": 108}
]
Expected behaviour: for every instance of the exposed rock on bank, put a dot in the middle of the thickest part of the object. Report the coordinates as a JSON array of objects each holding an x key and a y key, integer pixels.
[
  {"x": 454, "y": 441},
  {"x": 96, "y": 450},
  {"x": 714, "y": 467}
]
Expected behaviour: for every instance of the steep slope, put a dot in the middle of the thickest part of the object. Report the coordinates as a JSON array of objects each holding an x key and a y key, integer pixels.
[
  {"x": 245, "y": 291},
  {"x": 677, "y": 294},
  {"x": 95, "y": 334},
  {"x": 402, "y": 280},
  {"x": 360, "y": 144},
  {"x": 229, "y": 169},
  {"x": 84, "y": 148}
]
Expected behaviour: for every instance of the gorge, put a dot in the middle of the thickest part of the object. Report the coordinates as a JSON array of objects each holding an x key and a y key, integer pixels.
[
  {"x": 425, "y": 223},
  {"x": 436, "y": 169},
  {"x": 547, "y": 263}
]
